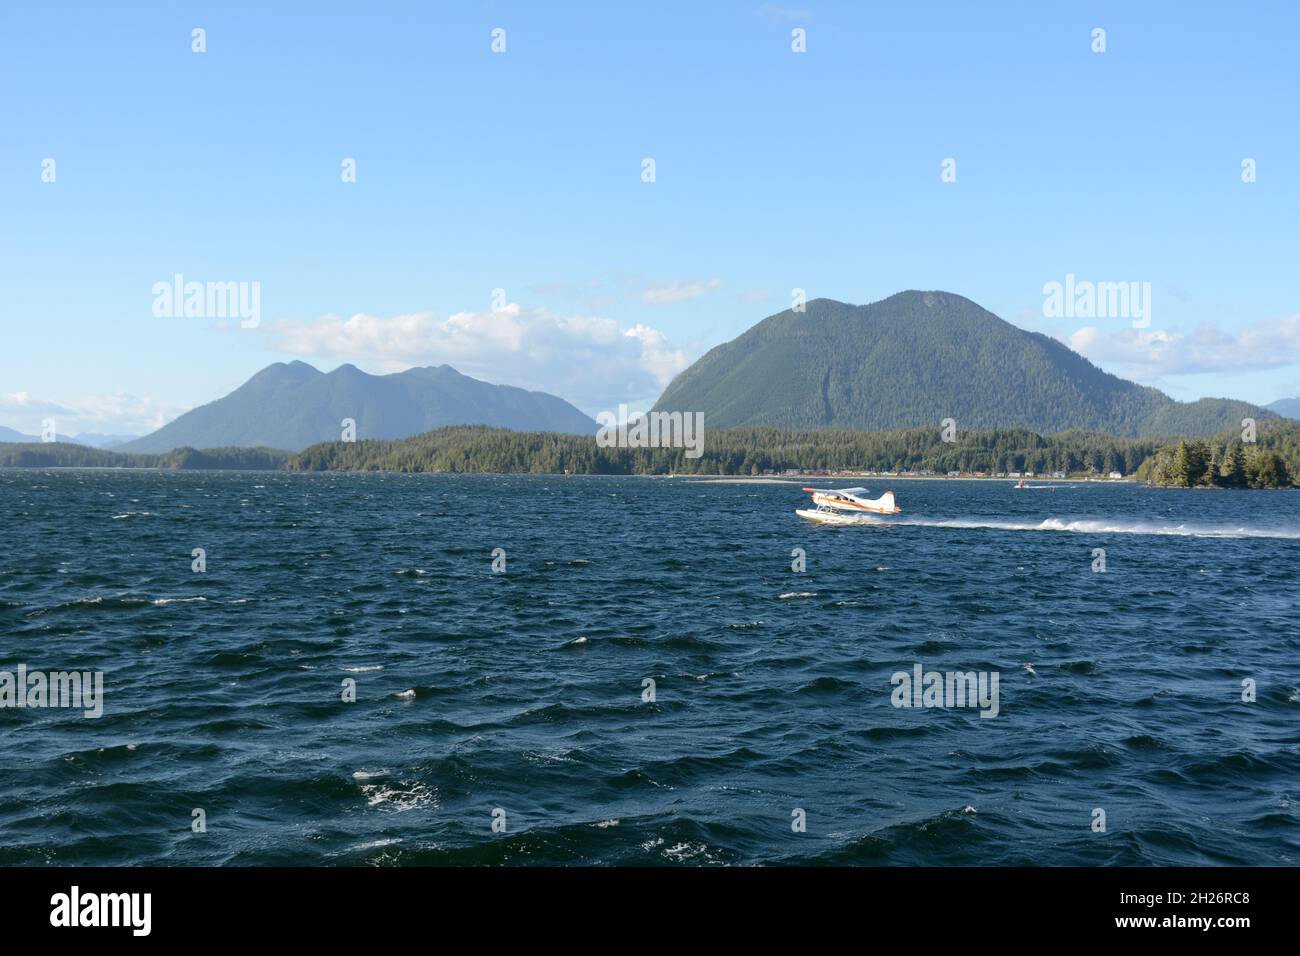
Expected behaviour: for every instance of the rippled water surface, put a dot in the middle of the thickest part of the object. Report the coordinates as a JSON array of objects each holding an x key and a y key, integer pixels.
[{"x": 522, "y": 691}]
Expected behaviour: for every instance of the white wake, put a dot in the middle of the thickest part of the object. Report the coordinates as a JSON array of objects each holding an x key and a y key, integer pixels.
[{"x": 1094, "y": 526}]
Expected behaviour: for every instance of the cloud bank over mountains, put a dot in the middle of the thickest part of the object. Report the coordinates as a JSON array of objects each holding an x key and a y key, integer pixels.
[
  {"x": 1146, "y": 355},
  {"x": 594, "y": 362},
  {"x": 568, "y": 348},
  {"x": 117, "y": 413}
]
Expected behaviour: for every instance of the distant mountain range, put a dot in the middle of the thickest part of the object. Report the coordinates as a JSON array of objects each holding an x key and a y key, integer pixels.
[
  {"x": 8, "y": 434},
  {"x": 89, "y": 439},
  {"x": 1286, "y": 407},
  {"x": 915, "y": 359},
  {"x": 291, "y": 406},
  {"x": 96, "y": 440},
  {"x": 908, "y": 361}
]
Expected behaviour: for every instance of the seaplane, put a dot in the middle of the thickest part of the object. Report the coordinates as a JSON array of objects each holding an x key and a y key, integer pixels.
[{"x": 833, "y": 503}]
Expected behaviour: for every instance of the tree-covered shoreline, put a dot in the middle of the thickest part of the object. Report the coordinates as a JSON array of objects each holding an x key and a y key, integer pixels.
[
  {"x": 69, "y": 455},
  {"x": 1211, "y": 463},
  {"x": 1223, "y": 461},
  {"x": 736, "y": 452}
]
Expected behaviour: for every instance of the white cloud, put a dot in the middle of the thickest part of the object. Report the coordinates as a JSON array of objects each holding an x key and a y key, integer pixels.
[
  {"x": 591, "y": 361},
  {"x": 678, "y": 291},
  {"x": 116, "y": 414},
  {"x": 27, "y": 404},
  {"x": 1147, "y": 354},
  {"x": 659, "y": 358}
]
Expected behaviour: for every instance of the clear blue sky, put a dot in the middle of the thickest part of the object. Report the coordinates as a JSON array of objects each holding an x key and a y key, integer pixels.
[{"x": 522, "y": 171}]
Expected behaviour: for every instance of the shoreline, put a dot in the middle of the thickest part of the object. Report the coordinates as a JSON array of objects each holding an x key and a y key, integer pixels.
[
  {"x": 701, "y": 478},
  {"x": 790, "y": 480}
]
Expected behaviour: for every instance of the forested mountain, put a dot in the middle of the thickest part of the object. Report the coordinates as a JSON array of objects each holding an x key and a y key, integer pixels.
[
  {"x": 294, "y": 405},
  {"x": 915, "y": 359}
]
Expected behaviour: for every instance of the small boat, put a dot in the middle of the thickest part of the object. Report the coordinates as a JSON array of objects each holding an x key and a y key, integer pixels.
[
  {"x": 1021, "y": 484},
  {"x": 844, "y": 506}
]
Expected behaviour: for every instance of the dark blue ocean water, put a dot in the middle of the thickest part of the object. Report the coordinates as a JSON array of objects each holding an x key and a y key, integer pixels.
[{"x": 522, "y": 691}]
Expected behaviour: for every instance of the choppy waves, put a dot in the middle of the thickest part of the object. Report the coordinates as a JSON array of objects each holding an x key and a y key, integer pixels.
[{"x": 649, "y": 682}]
